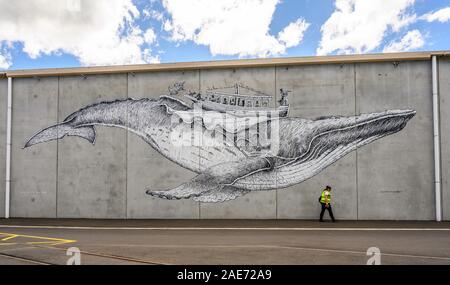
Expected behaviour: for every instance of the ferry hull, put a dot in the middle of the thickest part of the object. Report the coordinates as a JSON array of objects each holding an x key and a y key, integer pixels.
[{"x": 239, "y": 111}]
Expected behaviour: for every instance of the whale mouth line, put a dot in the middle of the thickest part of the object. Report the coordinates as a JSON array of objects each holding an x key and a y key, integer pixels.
[{"x": 349, "y": 133}]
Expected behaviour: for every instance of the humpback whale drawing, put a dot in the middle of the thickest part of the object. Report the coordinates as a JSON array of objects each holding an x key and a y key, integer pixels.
[{"x": 230, "y": 165}]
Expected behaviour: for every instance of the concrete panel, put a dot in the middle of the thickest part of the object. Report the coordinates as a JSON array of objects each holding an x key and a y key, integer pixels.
[
  {"x": 395, "y": 173},
  {"x": 320, "y": 91},
  {"x": 147, "y": 169},
  {"x": 3, "y": 108},
  {"x": 33, "y": 170},
  {"x": 92, "y": 178},
  {"x": 255, "y": 205},
  {"x": 444, "y": 92}
]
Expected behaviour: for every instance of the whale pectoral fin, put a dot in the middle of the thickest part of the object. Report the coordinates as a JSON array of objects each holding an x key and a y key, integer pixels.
[
  {"x": 221, "y": 195},
  {"x": 184, "y": 191},
  {"x": 59, "y": 131},
  {"x": 215, "y": 179}
]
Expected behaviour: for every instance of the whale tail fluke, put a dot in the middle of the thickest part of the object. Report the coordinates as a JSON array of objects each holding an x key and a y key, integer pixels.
[{"x": 61, "y": 130}]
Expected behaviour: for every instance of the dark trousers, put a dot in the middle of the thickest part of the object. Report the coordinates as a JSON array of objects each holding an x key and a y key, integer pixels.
[{"x": 330, "y": 211}]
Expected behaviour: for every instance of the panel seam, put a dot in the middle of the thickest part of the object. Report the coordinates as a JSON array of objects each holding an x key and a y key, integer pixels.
[
  {"x": 126, "y": 154},
  {"x": 57, "y": 151},
  {"x": 199, "y": 90},
  {"x": 276, "y": 177}
]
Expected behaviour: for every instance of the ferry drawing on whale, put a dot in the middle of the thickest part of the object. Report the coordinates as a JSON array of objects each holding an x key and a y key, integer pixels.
[
  {"x": 250, "y": 103},
  {"x": 231, "y": 152}
]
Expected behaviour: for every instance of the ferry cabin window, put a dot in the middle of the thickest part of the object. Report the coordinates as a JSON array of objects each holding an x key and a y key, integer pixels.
[
  {"x": 257, "y": 103},
  {"x": 241, "y": 102},
  {"x": 225, "y": 101},
  {"x": 264, "y": 103},
  {"x": 233, "y": 101},
  {"x": 249, "y": 103}
]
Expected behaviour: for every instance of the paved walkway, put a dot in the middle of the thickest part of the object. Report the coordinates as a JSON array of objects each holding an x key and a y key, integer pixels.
[{"x": 45, "y": 241}]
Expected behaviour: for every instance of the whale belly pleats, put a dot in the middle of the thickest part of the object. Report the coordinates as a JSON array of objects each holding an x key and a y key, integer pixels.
[{"x": 294, "y": 172}]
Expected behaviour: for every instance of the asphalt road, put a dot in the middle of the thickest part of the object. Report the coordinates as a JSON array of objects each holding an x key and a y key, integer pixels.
[{"x": 45, "y": 241}]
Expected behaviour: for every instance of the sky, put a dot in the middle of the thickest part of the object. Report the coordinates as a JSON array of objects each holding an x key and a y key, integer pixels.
[{"x": 72, "y": 33}]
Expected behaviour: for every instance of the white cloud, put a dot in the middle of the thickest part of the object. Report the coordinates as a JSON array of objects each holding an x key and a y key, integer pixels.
[
  {"x": 442, "y": 15},
  {"x": 167, "y": 26},
  {"x": 149, "y": 57},
  {"x": 153, "y": 14},
  {"x": 149, "y": 36},
  {"x": 100, "y": 32},
  {"x": 5, "y": 55},
  {"x": 228, "y": 27},
  {"x": 5, "y": 61},
  {"x": 292, "y": 34},
  {"x": 412, "y": 40},
  {"x": 359, "y": 26}
]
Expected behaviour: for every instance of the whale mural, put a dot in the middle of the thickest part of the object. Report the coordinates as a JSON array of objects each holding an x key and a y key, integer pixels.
[{"x": 244, "y": 147}]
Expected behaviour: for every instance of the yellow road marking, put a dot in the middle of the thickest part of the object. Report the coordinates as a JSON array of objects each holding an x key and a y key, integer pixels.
[
  {"x": 54, "y": 242},
  {"x": 48, "y": 240},
  {"x": 9, "y": 237}
]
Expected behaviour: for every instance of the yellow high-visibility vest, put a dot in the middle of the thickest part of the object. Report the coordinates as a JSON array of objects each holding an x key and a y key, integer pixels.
[{"x": 326, "y": 197}]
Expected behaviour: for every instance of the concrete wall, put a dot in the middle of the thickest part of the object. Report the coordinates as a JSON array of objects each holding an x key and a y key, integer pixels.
[
  {"x": 395, "y": 174},
  {"x": 147, "y": 169},
  {"x": 3, "y": 107},
  {"x": 92, "y": 179},
  {"x": 258, "y": 204},
  {"x": 444, "y": 91},
  {"x": 391, "y": 178},
  {"x": 318, "y": 91},
  {"x": 33, "y": 170}
]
